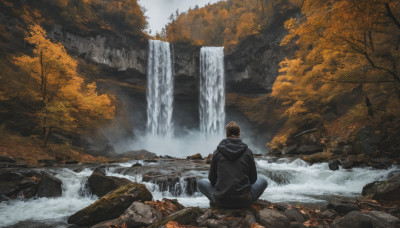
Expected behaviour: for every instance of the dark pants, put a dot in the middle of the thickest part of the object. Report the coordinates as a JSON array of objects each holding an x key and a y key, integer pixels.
[{"x": 257, "y": 189}]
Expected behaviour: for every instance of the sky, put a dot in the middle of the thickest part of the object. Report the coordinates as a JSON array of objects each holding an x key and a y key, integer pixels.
[{"x": 158, "y": 11}]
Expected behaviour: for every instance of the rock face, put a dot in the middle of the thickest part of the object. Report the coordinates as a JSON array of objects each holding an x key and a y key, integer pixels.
[
  {"x": 109, "y": 50},
  {"x": 111, "y": 205},
  {"x": 100, "y": 184}
]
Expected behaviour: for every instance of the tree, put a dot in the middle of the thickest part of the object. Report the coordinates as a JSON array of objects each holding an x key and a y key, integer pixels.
[{"x": 68, "y": 103}]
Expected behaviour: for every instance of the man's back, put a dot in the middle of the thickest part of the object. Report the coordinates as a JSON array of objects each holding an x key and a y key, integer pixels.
[{"x": 232, "y": 171}]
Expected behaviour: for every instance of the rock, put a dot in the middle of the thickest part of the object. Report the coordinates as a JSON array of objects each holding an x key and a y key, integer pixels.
[
  {"x": 194, "y": 157},
  {"x": 370, "y": 188},
  {"x": 49, "y": 186},
  {"x": 309, "y": 149},
  {"x": 388, "y": 190},
  {"x": 366, "y": 141},
  {"x": 11, "y": 176},
  {"x": 294, "y": 215},
  {"x": 136, "y": 165},
  {"x": 329, "y": 214},
  {"x": 7, "y": 159},
  {"x": 353, "y": 161},
  {"x": 381, "y": 163},
  {"x": 47, "y": 162},
  {"x": 357, "y": 219},
  {"x": 137, "y": 215},
  {"x": 207, "y": 215},
  {"x": 334, "y": 165},
  {"x": 290, "y": 150},
  {"x": 139, "y": 154},
  {"x": 166, "y": 206},
  {"x": 343, "y": 208},
  {"x": 101, "y": 184},
  {"x": 271, "y": 218},
  {"x": 70, "y": 162},
  {"x": 187, "y": 216},
  {"x": 111, "y": 205}
]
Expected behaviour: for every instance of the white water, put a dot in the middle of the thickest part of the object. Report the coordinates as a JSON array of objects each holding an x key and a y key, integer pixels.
[
  {"x": 212, "y": 90},
  {"x": 289, "y": 182},
  {"x": 49, "y": 210},
  {"x": 160, "y": 89}
]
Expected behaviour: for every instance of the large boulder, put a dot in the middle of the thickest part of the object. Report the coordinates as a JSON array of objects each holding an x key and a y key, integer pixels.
[
  {"x": 111, "y": 205},
  {"x": 272, "y": 218},
  {"x": 7, "y": 159},
  {"x": 100, "y": 184},
  {"x": 137, "y": 215},
  {"x": 388, "y": 190},
  {"x": 139, "y": 154},
  {"x": 373, "y": 219},
  {"x": 49, "y": 186},
  {"x": 370, "y": 188}
]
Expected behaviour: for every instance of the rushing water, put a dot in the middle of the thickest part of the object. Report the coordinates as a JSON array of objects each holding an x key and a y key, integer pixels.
[
  {"x": 290, "y": 181},
  {"x": 212, "y": 90},
  {"x": 160, "y": 89}
]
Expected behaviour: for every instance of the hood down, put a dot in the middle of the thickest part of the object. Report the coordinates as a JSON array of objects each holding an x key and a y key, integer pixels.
[{"x": 232, "y": 148}]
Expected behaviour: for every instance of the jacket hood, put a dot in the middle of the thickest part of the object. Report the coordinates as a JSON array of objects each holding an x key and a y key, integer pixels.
[{"x": 232, "y": 148}]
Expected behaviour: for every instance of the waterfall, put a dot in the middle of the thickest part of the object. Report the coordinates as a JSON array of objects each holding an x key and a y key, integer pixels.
[
  {"x": 212, "y": 90},
  {"x": 160, "y": 89}
]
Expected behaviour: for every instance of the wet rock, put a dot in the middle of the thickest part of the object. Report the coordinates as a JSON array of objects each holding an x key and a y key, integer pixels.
[
  {"x": 343, "y": 208},
  {"x": 208, "y": 214},
  {"x": 370, "y": 188},
  {"x": 290, "y": 150},
  {"x": 71, "y": 162},
  {"x": 100, "y": 184},
  {"x": 294, "y": 215},
  {"x": 49, "y": 186},
  {"x": 10, "y": 176},
  {"x": 111, "y": 205},
  {"x": 381, "y": 163},
  {"x": 209, "y": 158},
  {"x": 388, "y": 190},
  {"x": 47, "y": 162},
  {"x": 137, "y": 215},
  {"x": 7, "y": 159},
  {"x": 139, "y": 154},
  {"x": 194, "y": 157},
  {"x": 353, "y": 161},
  {"x": 357, "y": 219},
  {"x": 187, "y": 216},
  {"x": 309, "y": 149},
  {"x": 136, "y": 165},
  {"x": 366, "y": 141},
  {"x": 334, "y": 165},
  {"x": 329, "y": 214},
  {"x": 271, "y": 218}
]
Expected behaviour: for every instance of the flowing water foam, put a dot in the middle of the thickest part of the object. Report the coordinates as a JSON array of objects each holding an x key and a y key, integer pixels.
[{"x": 50, "y": 210}]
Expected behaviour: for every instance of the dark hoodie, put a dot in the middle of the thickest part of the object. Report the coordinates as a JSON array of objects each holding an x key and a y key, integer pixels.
[{"x": 232, "y": 171}]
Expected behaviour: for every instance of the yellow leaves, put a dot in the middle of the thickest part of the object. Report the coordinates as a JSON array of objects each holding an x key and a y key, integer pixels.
[{"x": 296, "y": 109}]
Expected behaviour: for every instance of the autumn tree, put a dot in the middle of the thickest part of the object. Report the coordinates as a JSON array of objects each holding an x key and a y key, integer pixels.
[
  {"x": 342, "y": 46},
  {"x": 68, "y": 102}
]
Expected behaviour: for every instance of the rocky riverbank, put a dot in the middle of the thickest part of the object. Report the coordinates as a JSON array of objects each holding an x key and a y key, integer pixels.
[{"x": 162, "y": 192}]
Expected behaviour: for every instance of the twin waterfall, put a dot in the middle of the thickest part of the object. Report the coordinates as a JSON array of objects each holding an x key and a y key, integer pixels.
[
  {"x": 212, "y": 90},
  {"x": 160, "y": 89}
]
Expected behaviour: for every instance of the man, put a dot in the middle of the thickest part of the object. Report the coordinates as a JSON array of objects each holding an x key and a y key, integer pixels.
[{"x": 233, "y": 175}]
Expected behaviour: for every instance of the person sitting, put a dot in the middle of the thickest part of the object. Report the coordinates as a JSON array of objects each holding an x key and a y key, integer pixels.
[{"x": 232, "y": 179}]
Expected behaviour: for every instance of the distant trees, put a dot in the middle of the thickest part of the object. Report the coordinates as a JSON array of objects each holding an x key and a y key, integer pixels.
[{"x": 68, "y": 102}]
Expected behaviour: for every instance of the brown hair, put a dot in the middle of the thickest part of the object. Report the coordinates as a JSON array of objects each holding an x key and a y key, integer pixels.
[{"x": 232, "y": 129}]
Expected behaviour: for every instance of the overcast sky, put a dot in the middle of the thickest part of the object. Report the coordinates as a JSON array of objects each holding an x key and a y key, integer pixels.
[{"x": 158, "y": 11}]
